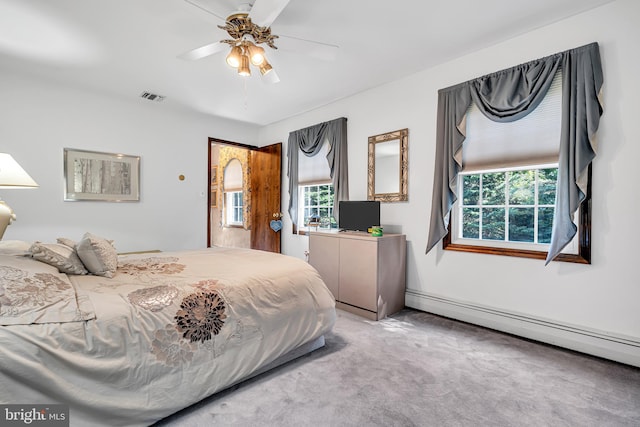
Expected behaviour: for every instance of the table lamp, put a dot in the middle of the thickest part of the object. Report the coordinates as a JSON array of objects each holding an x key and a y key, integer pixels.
[{"x": 11, "y": 176}]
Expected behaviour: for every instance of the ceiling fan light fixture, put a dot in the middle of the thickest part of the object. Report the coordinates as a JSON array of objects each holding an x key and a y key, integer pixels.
[
  {"x": 265, "y": 67},
  {"x": 256, "y": 53},
  {"x": 234, "y": 57},
  {"x": 244, "y": 69}
]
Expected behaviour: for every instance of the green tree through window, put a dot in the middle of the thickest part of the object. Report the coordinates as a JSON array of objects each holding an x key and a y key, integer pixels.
[
  {"x": 317, "y": 205},
  {"x": 511, "y": 206}
]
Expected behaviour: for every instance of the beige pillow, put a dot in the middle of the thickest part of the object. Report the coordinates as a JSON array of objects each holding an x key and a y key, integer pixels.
[
  {"x": 14, "y": 247},
  {"x": 66, "y": 242},
  {"x": 98, "y": 255},
  {"x": 62, "y": 257}
]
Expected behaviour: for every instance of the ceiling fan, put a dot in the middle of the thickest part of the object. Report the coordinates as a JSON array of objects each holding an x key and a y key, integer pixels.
[{"x": 248, "y": 28}]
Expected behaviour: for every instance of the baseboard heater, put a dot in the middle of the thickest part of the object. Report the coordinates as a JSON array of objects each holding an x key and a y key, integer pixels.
[{"x": 597, "y": 343}]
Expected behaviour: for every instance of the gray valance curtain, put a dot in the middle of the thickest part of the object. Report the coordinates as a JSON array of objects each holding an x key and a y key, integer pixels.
[
  {"x": 509, "y": 95},
  {"x": 309, "y": 141}
]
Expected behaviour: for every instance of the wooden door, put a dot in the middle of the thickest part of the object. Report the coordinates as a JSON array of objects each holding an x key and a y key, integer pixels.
[{"x": 265, "y": 174}]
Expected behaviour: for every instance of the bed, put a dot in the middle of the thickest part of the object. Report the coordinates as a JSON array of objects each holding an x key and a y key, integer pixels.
[{"x": 163, "y": 332}]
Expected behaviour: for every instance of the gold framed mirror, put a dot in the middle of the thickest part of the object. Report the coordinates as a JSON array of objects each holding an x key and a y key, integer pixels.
[{"x": 388, "y": 166}]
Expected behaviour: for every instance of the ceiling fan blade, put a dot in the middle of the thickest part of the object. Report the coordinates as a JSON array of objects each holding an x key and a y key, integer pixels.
[
  {"x": 199, "y": 6},
  {"x": 264, "y": 12},
  {"x": 315, "y": 49},
  {"x": 271, "y": 77},
  {"x": 203, "y": 51}
]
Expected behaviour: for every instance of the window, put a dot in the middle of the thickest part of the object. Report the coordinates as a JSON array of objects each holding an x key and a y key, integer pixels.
[
  {"x": 506, "y": 200},
  {"x": 316, "y": 206},
  {"x": 510, "y": 212},
  {"x": 326, "y": 143},
  {"x": 233, "y": 185},
  {"x": 507, "y": 188},
  {"x": 315, "y": 192},
  {"x": 509, "y": 97},
  {"x": 510, "y": 208},
  {"x": 234, "y": 205}
]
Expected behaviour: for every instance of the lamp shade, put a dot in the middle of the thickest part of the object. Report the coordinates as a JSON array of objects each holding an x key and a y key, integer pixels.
[
  {"x": 12, "y": 175},
  {"x": 256, "y": 54},
  {"x": 243, "y": 69},
  {"x": 265, "y": 67},
  {"x": 234, "y": 56}
]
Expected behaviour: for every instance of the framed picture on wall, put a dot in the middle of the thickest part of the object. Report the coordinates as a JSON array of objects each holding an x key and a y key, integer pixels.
[
  {"x": 214, "y": 198},
  {"x": 93, "y": 175},
  {"x": 214, "y": 176}
]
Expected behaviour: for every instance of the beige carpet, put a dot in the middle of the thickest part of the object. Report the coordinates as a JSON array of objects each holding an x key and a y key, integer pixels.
[{"x": 417, "y": 369}]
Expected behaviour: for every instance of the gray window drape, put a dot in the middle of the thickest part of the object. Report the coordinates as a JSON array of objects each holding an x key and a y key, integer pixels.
[
  {"x": 309, "y": 141},
  {"x": 509, "y": 95}
]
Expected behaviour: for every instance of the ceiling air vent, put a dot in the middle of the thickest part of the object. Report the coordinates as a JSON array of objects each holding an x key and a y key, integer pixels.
[{"x": 152, "y": 96}]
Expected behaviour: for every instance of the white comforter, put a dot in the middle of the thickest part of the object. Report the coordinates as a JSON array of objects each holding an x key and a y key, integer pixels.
[{"x": 169, "y": 330}]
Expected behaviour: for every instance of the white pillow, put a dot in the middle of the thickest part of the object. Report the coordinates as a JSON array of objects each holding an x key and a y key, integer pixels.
[
  {"x": 62, "y": 257},
  {"x": 98, "y": 255}
]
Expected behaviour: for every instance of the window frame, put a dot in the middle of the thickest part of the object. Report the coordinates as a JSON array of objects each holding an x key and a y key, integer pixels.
[
  {"x": 583, "y": 237},
  {"x": 232, "y": 207},
  {"x": 457, "y": 219},
  {"x": 302, "y": 229}
]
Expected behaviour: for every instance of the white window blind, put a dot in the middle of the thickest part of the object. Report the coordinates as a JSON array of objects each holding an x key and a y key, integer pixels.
[
  {"x": 534, "y": 139},
  {"x": 314, "y": 169},
  {"x": 233, "y": 176}
]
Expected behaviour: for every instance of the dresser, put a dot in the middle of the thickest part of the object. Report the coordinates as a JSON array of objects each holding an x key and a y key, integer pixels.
[{"x": 366, "y": 274}]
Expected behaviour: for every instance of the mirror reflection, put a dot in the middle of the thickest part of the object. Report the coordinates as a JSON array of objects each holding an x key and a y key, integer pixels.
[{"x": 388, "y": 161}]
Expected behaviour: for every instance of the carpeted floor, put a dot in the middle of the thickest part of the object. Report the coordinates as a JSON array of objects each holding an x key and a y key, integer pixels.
[{"x": 417, "y": 369}]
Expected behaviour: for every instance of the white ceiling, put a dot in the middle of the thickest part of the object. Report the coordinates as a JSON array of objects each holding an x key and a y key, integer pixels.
[{"x": 126, "y": 47}]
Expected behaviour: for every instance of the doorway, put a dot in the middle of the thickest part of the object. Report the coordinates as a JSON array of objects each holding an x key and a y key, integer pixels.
[{"x": 244, "y": 202}]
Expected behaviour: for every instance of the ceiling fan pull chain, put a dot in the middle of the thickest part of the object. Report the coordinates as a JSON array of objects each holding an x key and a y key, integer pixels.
[{"x": 246, "y": 94}]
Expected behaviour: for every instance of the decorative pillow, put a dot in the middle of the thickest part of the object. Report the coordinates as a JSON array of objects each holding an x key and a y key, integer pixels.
[
  {"x": 66, "y": 242},
  {"x": 14, "y": 247},
  {"x": 62, "y": 257},
  {"x": 98, "y": 255}
]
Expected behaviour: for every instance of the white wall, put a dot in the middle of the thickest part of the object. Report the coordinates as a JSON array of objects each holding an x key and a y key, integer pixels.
[
  {"x": 591, "y": 308},
  {"x": 38, "y": 119}
]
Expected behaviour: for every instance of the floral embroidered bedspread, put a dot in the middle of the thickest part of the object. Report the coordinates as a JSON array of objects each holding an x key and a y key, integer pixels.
[{"x": 169, "y": 330}]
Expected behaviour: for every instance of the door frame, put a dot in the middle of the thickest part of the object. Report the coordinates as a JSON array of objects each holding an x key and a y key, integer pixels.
[{"x": 219, "y": 142}]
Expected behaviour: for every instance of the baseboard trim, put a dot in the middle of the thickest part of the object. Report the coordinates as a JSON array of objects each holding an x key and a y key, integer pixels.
[{"x": 597, "y": 343}]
